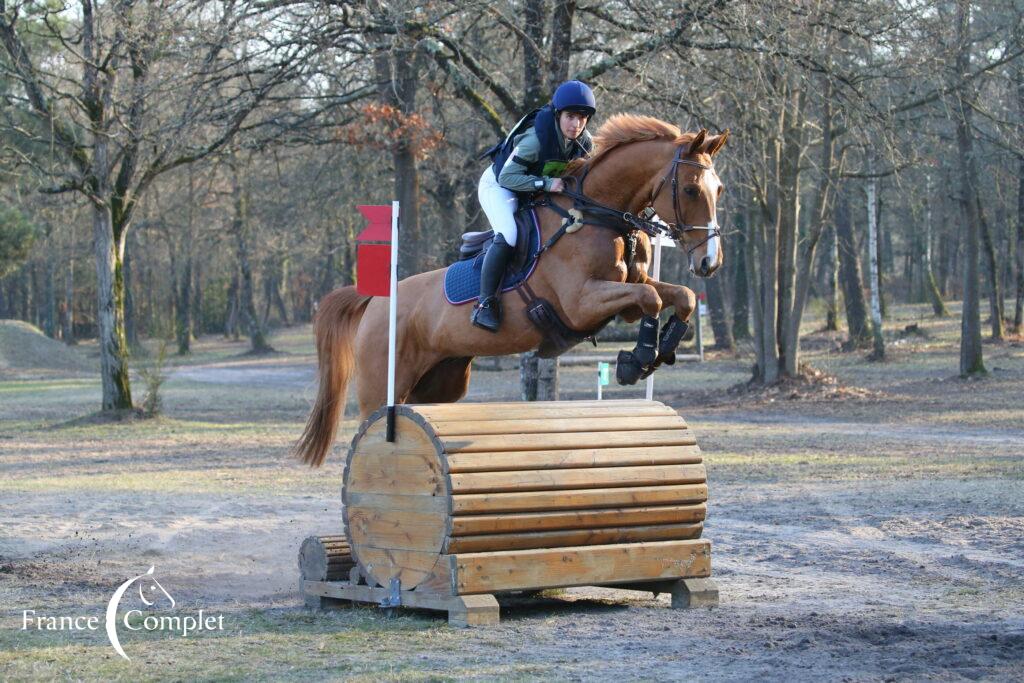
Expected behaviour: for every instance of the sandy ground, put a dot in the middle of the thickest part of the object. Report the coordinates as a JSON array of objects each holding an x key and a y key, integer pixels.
[{"x": 872, "y": 538}]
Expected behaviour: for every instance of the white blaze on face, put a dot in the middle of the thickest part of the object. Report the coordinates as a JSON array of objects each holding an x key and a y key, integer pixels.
[{"x": 714, "y": 185}]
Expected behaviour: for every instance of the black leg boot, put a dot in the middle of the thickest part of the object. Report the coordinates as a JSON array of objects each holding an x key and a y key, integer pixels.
[
  {"x": 487, "y": 313},
  {"x": 631, "y": 365},
  {"x": 671, "y": 334}
]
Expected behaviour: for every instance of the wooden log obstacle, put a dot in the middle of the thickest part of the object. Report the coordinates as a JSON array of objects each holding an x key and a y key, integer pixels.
[{"x": 473, "y": 500}]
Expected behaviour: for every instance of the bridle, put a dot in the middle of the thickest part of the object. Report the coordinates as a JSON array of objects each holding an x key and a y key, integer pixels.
[
  {"x": 643, "y": 221},
  {"x": 678, "y": 228}
]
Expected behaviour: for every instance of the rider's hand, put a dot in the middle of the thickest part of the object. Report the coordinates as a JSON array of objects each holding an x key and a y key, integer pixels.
[{"x": 557, "y": 185}]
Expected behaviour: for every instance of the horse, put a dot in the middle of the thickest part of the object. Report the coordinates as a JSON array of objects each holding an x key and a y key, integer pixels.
[{"x": 637, "y": 162}]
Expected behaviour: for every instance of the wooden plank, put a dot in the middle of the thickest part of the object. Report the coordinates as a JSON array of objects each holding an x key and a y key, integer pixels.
[
  {"x": 459, "y": 463},
  {"x": 556, "y": 425},
  {"x": 397, "y": 529},
  {"x": 343, "y": 590},
  {"x": 409, "y": 438},
  {"x": 543, "y": 501},
  {"x": 590, "y": 478},
  {"x": 565, "y": 567},
  {"x": 537, "y": 442},
  {"x": 577, "y": 519},
  {"x": 405, "y": 474},
  {"x": 382, "y": 564},
  {"x": 424, "y": 504},
  {"x": 572, "y": 537},
  {"x": 541, "y": 410}
]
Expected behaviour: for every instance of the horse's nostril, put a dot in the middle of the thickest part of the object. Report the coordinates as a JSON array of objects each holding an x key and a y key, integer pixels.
[{"x": 705, "y": 265}]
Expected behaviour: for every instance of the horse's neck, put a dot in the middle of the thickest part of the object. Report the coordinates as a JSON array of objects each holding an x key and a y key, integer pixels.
[{"x": 623, "y": 180}]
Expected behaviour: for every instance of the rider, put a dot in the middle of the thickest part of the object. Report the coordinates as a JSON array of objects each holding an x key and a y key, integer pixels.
[{"x": 529, "y": 160}]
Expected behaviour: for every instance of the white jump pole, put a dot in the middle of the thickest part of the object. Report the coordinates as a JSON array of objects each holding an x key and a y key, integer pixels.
[
  {"x": 656, "y": 274},
  {"x": 392, "y": 322}
]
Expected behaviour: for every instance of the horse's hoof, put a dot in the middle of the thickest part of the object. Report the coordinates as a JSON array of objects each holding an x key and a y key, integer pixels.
[
  {"x": 627, "y": 369},
  {"x": 666, "y": 359}
]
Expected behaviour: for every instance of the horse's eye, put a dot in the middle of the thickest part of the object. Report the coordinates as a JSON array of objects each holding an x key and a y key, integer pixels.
[{"x": 691, "y": 191}]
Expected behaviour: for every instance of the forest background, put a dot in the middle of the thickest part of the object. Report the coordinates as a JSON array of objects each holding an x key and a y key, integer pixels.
[{"x": 177, "y": 168}]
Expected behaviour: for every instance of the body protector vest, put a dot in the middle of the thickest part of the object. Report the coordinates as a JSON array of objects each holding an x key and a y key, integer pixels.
[{"x": 552, "y": 160}]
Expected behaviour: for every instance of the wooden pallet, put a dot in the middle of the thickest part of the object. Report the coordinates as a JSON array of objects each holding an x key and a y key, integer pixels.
[{"x": 477, "y": 609}]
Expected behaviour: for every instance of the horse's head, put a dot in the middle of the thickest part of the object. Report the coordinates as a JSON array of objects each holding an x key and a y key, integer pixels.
[{"x": 688, "y": 195}]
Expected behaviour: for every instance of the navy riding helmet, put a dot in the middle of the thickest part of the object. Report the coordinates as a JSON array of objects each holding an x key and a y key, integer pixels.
[{"x": 575, "y": 96}]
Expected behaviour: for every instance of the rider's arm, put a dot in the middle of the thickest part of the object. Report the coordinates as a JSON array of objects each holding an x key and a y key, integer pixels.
[{"x": 514, "y": 174}]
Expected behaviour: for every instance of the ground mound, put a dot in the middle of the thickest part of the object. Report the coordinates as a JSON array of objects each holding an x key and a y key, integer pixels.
[{"x": 25, "y": 350}]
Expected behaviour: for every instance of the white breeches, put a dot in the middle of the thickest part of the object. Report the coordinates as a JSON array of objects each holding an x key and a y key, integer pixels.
[{"x": 499, "y": 204}]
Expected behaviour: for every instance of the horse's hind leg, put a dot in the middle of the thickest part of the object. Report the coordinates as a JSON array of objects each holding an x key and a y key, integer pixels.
[{"x": 446, "y": 382}]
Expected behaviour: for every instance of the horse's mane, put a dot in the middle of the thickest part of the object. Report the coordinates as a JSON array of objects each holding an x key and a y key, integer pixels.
[{"x": 622, "y": 129}]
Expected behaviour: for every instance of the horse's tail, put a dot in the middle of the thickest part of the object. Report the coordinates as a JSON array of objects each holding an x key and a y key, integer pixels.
[{"x": 336, "y": 320}]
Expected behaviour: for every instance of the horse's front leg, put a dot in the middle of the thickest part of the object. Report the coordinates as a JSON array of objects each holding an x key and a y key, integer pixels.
[
  {"x": 599, "y": 300},
  {"x": 684, "y": 302}
]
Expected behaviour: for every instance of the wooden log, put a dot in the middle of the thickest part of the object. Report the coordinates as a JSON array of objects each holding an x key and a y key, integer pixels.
[
  {"x": 463, "y": 463},
  {"x": 583, "y": 566},
  {"x": 558, "y": 425},
  {"x": 590, "y": 478},
  {"x": 540, "y": 501},
  {"x": 576, "y": 519},
  {"x": 324, "y": 561},
  {"x": 572, "y": 537},
  {"x": 475, "y": 480},
  {"x": 539, "y": 442}
]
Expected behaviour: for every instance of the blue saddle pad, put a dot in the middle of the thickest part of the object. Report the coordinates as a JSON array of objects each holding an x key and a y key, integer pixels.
[{"x": 462, "y": 279}]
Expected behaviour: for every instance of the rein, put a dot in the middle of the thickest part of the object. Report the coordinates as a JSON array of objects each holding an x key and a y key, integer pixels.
[{"x": 626, "y": 223}]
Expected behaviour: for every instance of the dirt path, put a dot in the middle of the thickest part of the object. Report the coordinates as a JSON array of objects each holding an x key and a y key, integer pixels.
[{"x": 831, "y": 565}]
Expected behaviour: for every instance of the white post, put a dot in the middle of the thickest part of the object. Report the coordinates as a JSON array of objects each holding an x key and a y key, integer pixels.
[
  {"x": 656, "y": 274},
  {"x": 393, "y": 305},
  {"x": 598, "y": 381}
]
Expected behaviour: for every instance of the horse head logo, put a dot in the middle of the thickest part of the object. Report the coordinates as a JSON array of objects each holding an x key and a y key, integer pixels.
[{"x": 150, "y": 591}]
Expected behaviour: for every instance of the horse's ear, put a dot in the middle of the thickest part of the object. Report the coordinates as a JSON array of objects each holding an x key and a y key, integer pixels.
[
  {"x": 698, "y": 142},
  {"x": 717, "y": 142}
]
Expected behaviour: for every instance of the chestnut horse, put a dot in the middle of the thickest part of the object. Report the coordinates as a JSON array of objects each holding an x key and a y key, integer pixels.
[{"x": 637, "y": 162}]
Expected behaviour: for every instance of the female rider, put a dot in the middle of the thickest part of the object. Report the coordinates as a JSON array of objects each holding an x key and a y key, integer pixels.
[{"x": 529, "y": 160}]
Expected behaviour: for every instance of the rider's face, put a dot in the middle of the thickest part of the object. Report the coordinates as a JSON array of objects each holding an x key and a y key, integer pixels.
[{"x": 572, "y": 124}]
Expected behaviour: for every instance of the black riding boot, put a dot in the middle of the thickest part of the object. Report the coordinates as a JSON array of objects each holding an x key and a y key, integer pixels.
[{"x": 487, "y": 313}]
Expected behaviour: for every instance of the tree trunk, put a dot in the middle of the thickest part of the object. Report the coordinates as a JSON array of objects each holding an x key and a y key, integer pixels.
[
  {"x": 878, "y": 353},
  {"x": 183, "y": 303},
  {"x": 995, "y": 290},
  {"x": 68, "y": 319},
  {"x": 832, "y": 316},
  {"x": 197, "y": 298},
  {"x": 532, "y": 41},
  {"x": 131, "y": 314},
  {"x": 819, "y": 211},
  {"x": 231, "y": 325},
  {"x": 560, "y": 42},
  {"x": 788, "y": 231},
  {"x": 928, "y": 274},
  {"x": 740, "y": 285},
  {"x": 971, "y": 359},
  {"x": 398, "y": 74},
  {"x": 719, "y": 317},
  {"x": 110, "y": 322},
  {"x": 850, "y": 277},
  {"x": 247, "y": 304},
  {"x": 538, "y": 377},
  {"x": 1018, "y": 308},
  {"x": 50, "y": 295}
]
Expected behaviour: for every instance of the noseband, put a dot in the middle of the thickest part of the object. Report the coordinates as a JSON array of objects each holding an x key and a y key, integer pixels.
[{"x": 678, "y": 228}]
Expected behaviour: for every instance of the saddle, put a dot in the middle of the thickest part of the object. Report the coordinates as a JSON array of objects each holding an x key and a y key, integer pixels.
[
  {"x": 462, "y": 281},
  {"x": 476, "y": 243}
]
